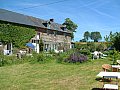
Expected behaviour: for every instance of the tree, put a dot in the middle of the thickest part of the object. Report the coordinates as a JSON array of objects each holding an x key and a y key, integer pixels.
[
  {"x": 70, "y": 25},
  {"x": 116, "y": 41},
  {"x": 86, "y": 35},
  {"x": 110, "y": 37},
  {"x": 96, "y": 36},
  {"x": 106, "y": 38},
  {"x": 82, "y": 40}
]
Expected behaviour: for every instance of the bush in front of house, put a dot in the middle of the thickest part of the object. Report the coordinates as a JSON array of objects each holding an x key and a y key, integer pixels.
[
  {"x": 41, "y": 58},
  {"x": 60, "y": 57},
  {"x": 9, "y": 60},
  {"x": 76, "y": 57},
  {"x": 85, "y": 52},
  {"x": 6, "y": 60}
]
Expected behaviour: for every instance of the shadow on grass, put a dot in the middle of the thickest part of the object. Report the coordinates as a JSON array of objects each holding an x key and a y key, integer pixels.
[
  {"x": 101, "y": 89},
  {"x": 101, "y": 80},
  {"x": 97, "y": 89}
]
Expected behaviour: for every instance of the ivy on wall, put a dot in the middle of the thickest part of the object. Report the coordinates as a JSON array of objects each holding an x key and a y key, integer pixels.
[{"x": 19, "y": 35}]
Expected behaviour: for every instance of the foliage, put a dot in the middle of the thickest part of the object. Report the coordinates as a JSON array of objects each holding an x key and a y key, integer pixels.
[
  {"x": 96, "y": 36},
  {"x": 76, "y": 57},
  {"x": 116, "y": 41},
  {"x": 83, "y": 40},
  {"x": 70, "y": 25},
  {"x": 62, "y": 56},
  {"x": 35, "y": 58},
  {"x": 85, "y": 52},
  {"x": 11, "y": 60},
  {"x": 109, "y": 37},
  {"x": 115, "y": 56},
  {"x": 41, "y": 45},
  {"x": 52, "y": 51},
  {"x": 106, "y": 38},
  {"x": 100, "y": 47},
  {"x": 86, "y": 35},
  {"x": 91, "y": 46},
  {"x": 114, "y": 38},
  {"x": 80, "y": 46},
  {"x": 1, "y": 60},
  {"x": 42, "y": 57},
  {"x": 17, "y": 34}
]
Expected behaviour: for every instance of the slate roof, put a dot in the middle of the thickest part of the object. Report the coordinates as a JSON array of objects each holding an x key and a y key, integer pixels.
[{"x": 18, "y": 18}]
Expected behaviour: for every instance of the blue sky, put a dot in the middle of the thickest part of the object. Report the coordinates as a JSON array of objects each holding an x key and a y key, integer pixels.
[{"x": 89, "y": 15}]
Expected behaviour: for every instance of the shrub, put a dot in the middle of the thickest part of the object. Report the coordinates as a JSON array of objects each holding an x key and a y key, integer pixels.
[
  {"x": 91, "y": 46},
  {"x": 60, "y": 59},
  {"x": 10, "y": 60},
  {"x": 85, "y": 52},
  {"x": 62, "y": 56},
  {"x": 41, "y": 58},
  {"x": 76, "y": 57},
  {"x": 116, "y": 56},
  {"x": 80, "y": 46},
  {"x": 100, "y": 47}
]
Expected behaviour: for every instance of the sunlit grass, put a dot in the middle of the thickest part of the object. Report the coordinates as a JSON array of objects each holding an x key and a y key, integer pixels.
[{"x": 51, "y": 76}]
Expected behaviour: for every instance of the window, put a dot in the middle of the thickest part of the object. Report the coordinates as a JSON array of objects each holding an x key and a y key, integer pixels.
[{"x": 33, "y": 41}]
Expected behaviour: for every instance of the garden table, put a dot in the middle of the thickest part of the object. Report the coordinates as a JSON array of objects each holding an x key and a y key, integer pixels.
[
  {"x": 115, "y": 68},
  {"x": 109, "y": 74}
]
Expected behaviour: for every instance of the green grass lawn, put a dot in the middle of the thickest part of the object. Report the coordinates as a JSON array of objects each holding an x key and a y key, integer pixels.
[{"x": 51, "y": 76}]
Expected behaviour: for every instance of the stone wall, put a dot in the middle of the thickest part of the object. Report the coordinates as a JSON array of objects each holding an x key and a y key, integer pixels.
[{"x": 54, "y": 39}]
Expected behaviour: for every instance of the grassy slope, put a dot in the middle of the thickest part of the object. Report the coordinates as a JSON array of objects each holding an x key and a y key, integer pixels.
[{"x": 51, "y": 76}]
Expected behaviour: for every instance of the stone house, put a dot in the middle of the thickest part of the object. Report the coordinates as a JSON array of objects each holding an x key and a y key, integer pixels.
[{"x": 54, "y": 36}]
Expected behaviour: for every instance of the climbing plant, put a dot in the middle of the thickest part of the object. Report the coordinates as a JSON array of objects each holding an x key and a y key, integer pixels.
[
  {"x": 19, "y": 35},
  {"x": 41, "y": 44}
]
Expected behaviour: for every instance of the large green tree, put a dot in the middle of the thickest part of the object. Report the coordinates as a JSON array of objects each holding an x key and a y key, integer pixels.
[
  {"x": 86, "y": 35},
  {"x": 70, "y": 25},
  {"x": 110, "y": 37},
  {"x": 106, "y": 38},
  {"x": 116, "y": 41},
  {"x": 96, "y": 36},
  {"x": 16, "y": 34}
]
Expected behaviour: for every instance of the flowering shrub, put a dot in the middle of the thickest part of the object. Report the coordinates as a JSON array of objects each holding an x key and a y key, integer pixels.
[{"x": 76, "y": 57}]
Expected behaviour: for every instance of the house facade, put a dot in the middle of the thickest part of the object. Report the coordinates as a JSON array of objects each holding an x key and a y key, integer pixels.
[
  {"x": 53, "y": 35},
  {"x": 53, "y": 39}
]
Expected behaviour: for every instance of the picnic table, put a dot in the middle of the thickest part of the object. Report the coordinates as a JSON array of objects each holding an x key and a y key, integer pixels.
[
  {"x": 115, "y": 68},
  {"x": 109, "y": 74}
]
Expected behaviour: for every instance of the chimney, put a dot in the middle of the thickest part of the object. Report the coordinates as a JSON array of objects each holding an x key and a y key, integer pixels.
[{"x": 52, "y": 20}]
